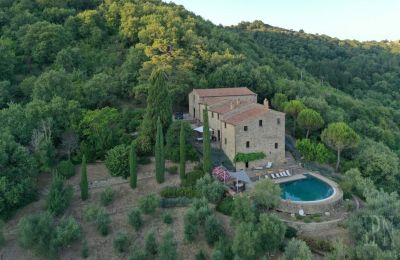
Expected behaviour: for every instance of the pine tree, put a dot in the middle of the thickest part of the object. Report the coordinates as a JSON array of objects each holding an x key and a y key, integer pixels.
[
  {"x": 132, "y": 167},
  {"x": 159, "y": 153},
  {"x": 206, "y": 143},
  {"x": 182, "y": 155},
  {"x": 84, "y": 181}
]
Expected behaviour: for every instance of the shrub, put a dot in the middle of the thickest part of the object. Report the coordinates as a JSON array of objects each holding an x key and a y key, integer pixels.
[
  {"x": 173, "y": 169},
  {"x": 217, "y": 255},
  {"x": 200, "y": 255},
  {"x": 103, "y": 222},
  {"x": 167, "y": 218},
  {"x": 199, "y": 203},
  {"x": 168, "y": 247},
  {"x": 174, "y": 192},
  {"x": 143, "y": 160},
  {"x": 138, "y": 254},
  {"x": 117, "y": 161},
  {"x": 225, "y": 206},
  {"x": 66, "y": 169},
  {"x": 99, "y": 217},
  {"x": 44, "y": 237},
  {"x": 191, "y": 178},
  {"x": 190, "y": 225},
  {"x": 314, "y": 151},
  {"x": 210, "y": 188},
  {"x": 291, "y": 232},
  {"x": 150, "y": 242},
  {"x": 174, "y": 202},
  {"x": 203, "y": 213},
  {"x": 318, "y": 244},
  {"x": 59, "y": 196},
  {"x": 84, "y": 249},
  {"x": 149, "y": 203},
  {"x": 91, "y": 212},
  {"x": 213, "y": 229},
  {"x": 121, "y": 242},
  {"x": 297, "y": 249},
  {"x": 66, "y": 231},
  {"x": 107, "y": 196},
  {"x": 135, "y": 218}
]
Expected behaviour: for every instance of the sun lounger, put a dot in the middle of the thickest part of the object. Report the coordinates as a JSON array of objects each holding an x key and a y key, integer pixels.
[
  {"x": 268, "y": 165},
  {"x": 283, "y": 174},
  {"x": 288, "y": 173},
  {"x": 278, "y": 174}
]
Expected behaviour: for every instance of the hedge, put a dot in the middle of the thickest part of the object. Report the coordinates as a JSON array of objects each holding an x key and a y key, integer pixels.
[{"x": 174, "y": 192}]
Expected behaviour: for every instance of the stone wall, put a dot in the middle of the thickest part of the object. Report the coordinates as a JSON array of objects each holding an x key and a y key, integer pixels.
[
  {"x": 313, "y": 228},
  {"x": 263, "y": 138}
]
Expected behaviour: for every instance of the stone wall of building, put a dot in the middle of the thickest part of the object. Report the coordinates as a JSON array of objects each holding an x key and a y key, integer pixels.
[
  {"x": 263, "y": 138},
  {"x": 228, "y": 134}
]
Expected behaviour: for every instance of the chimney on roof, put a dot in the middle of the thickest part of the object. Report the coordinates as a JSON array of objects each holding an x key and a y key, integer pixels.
[
  {"x": 232, "y": 105},
  {"x": 266, "y": 103}
]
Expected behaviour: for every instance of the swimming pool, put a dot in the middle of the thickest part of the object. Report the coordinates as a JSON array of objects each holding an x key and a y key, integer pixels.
[{"x": 306, "y": 190}]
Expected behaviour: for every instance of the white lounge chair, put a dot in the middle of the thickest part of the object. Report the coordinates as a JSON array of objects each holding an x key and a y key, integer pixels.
[
  {"x": 288, "y": 173},
  {"x": 273, "y": 176},
  {"x": 283, "y": 174},
  {"x": 278, "y": 174},
  {"x": 268, "y": 165}
]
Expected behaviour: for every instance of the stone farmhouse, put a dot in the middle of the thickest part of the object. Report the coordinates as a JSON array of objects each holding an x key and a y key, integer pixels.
[{"x": 240, "y": 124}]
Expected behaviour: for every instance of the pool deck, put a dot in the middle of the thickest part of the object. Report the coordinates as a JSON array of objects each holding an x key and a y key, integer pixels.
[{"x": 291, "y": 178}]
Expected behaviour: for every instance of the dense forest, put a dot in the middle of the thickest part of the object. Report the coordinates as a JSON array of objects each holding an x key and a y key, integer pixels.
[{"x": 74, "y": 78}]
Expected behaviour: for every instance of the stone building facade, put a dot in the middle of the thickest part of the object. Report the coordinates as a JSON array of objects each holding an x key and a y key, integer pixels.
[{"x": 240, "y": 124}]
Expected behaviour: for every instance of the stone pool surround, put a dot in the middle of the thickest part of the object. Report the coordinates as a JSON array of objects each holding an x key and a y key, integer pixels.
[{"x": 312, "y": 207}]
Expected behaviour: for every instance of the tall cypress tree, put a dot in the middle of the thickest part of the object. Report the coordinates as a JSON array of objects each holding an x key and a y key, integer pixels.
[
  {"x": 84, "y": 181},
  {"x": 182, "y": 155},
  {"x": 206, "y": 143},
  {"x": 159, "y": 153},
  {"x": 158, "y": 106},
  {"x": 132, "y": 167}
]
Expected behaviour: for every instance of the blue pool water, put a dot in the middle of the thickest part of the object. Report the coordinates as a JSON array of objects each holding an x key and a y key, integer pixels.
[{"x": 308, "y": 189}]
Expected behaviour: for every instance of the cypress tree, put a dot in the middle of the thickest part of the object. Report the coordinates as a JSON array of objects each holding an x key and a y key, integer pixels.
[
  {"x": 132, "y": 167},
  {"x": 159, "y": 153},
  {"x": 206, "y": 143},
  {"x": 158, "y": 106},
  {"x": 182, "y": 155},
  {"x": 84, "y": 181}
]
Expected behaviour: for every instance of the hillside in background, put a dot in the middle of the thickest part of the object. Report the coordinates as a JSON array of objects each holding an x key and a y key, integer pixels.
[{"x": 63, "y": 62}]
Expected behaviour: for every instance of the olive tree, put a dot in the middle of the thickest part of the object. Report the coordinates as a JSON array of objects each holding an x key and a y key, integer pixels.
[{"x": 266, "y": 193}]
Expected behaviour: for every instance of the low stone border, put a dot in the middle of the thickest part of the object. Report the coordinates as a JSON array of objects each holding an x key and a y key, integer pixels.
[{"x": 314, "y": 227}]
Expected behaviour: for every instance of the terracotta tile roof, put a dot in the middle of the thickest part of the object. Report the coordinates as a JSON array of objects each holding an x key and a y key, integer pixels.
[
  {"x": 224, "y": 107},
  {"x": 212, "y": 100},
  {"x": 221, "y": 92},
  {"x": 246, "y": 115}
]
